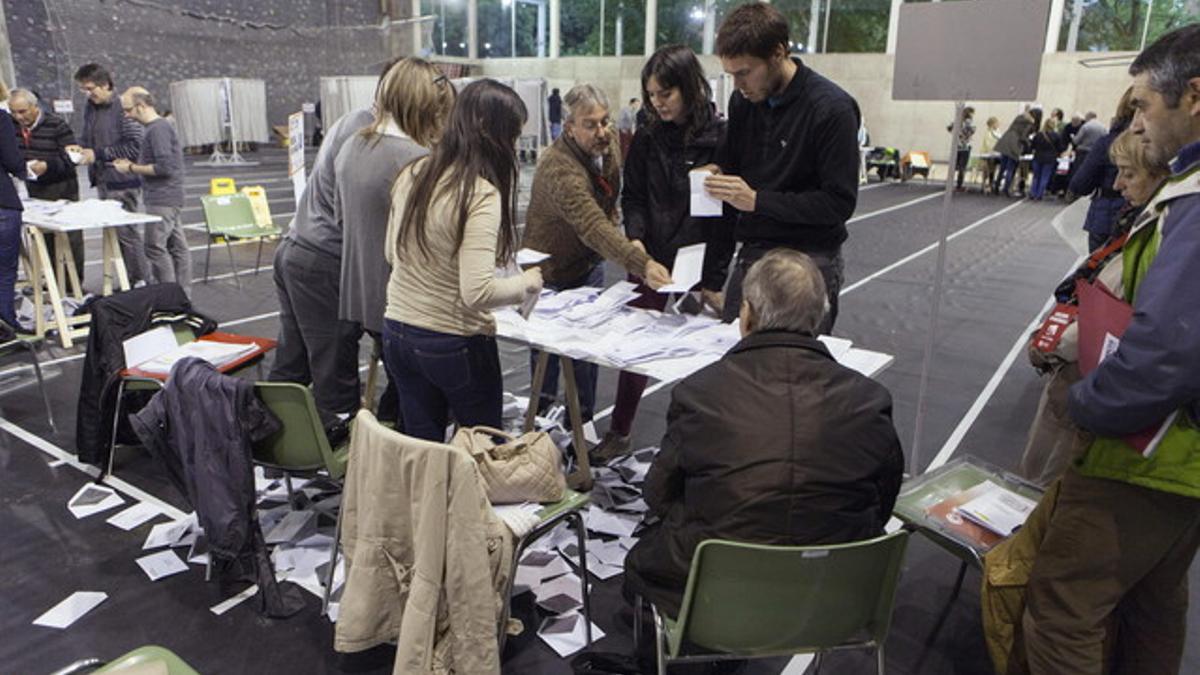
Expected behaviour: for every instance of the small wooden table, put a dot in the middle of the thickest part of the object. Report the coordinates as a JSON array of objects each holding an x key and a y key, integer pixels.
[
  {"x": 263, "y": 345},
  {"x": 56, "y": 274}
]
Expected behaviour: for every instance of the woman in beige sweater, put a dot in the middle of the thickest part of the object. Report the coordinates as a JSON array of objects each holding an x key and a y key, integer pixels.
[{"x": 452, "y": 224}]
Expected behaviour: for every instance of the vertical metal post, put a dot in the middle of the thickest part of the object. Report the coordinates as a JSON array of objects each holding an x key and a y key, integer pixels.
[{"x": 938, "y": 282}]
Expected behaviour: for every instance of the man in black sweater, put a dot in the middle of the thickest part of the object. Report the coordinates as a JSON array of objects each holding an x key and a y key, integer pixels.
[
  {"x": 789, "y": 162},
  {"x": 44, "y": 138}
]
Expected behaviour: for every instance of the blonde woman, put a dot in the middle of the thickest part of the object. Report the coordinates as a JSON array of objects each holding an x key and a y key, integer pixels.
[
  {"x": 412, "y": 103},
  {"x": 12, "y": 162}
]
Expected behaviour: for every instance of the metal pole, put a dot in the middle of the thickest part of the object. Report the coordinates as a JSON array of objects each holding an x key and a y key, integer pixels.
[
  {"x": 825, "y": 34},
  {"x": 938, "y": 281},
  {"x": 601, "y": 27},
  {"x": 1146, "y": 28},
  {"x": 443, "y": 49},
  {"x": 512, "y": 31}
]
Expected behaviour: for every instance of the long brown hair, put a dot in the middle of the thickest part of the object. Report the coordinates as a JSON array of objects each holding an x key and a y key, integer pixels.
[{"x": 479, "y": 142}]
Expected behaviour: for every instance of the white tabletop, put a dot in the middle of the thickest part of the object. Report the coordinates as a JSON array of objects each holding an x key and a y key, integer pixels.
[
  {"x": 559, "y": 337},
  {"x": 65, "y": 216}
]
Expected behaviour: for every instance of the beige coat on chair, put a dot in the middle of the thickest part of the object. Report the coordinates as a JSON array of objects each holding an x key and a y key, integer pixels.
[{"x": 425, "y": 555}]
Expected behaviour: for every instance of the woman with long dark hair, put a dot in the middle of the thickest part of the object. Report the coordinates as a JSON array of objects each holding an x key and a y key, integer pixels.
[
  {"x": 682, "y": 133},
  {"x": 453, "y": 222}
]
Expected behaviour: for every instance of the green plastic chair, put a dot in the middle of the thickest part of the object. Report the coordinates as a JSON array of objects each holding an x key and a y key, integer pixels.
[
  {"x": 300, "y": 447},
  {"x": 149, "y": 654},
  {"x": 755, "y": 601},
  {"x": 28, "y": 345},
  {"x": 232, "y": 217}
]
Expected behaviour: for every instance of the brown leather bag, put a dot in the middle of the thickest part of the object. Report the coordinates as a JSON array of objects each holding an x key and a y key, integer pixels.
[{"x": 526, "y": 468}]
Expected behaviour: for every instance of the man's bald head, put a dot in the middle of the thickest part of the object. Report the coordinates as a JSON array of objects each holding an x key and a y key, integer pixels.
[{"x": 139, "y": 104}]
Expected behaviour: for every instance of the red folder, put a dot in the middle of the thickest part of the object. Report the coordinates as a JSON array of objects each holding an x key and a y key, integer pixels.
[{"x": 1103, "y": 318}]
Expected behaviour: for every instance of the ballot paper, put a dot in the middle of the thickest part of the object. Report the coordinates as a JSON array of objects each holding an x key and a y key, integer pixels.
[
  {"x": 528, "y": 256},
  {"x": 620, "y": 525},
  {"x": 71, "y": 609},
  {"x": 133, "y": 516},
  {"x": 703, "y": 205},
  {"x": 29, "y": 174},
  {"x": 838, "y": 347},
  {"x": 161, "y": 564},
  {"x": 198, "y": 553},
  {"x": 999, "y": 510},
  {"x": 685, "y": 274},
  {"x": 538, "y": 566},
  {"x": 567, "y": 634},
  {"x": 217, "y": 353},
  {"x": 174, "y": 533},
  {"x": 75, "y": 156},
  {"x": 294, "y": 525},
  {"x": 92, "y": 499}
]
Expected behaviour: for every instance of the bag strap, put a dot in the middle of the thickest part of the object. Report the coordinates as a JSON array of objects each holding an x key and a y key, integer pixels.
[{"x": 492, "y": 431}]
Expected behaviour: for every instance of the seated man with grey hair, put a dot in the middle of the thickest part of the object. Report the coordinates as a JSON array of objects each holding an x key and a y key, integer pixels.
[{"x": 776, "y": 443}]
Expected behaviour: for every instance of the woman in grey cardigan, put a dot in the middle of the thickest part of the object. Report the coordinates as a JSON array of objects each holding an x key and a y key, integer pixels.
[{"x": 412, "y": 103}]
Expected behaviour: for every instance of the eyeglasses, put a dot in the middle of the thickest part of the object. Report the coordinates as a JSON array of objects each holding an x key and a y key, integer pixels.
[
  {"x": 440, "y": 79},
  {"x": 592, "y": 127}
]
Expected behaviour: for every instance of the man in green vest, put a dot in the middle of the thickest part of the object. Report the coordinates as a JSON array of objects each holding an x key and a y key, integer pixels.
[{"x": 1127, "y": 521}]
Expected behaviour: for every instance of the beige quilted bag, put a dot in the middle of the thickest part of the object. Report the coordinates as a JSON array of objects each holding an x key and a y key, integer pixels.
[{"x": 521, "y": 469}]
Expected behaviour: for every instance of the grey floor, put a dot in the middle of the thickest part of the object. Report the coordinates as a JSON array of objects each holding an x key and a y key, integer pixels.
[{"x": 1002, "y": 262}]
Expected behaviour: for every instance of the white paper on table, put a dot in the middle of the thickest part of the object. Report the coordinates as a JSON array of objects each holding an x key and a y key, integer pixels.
[
  {"x": 688, "y": 268},
  {"x": 528, "y": 256},
  {"x": 91, "y": 499},
  {"x": 69, "y": 610},
  {"x": 171, "y": 534},
  {"x": 618, "y": 294},
  {"x": 567, "y": 634},
  {"x": 149, "y": 345},
  {"x": 133, "y": 516},
  {"x": 703, "y": 205},
  {"x": 161, "y": 564}
]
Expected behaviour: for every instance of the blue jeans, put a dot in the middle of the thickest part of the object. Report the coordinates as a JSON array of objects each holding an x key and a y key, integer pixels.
[
  {"x": 1042, "y": 173},
  {"x": 1008, "y": 169},
  {"x": 439, "y": 373},
  {"x": 10, "y": 253},
  {"x": 586, "y": 373}
]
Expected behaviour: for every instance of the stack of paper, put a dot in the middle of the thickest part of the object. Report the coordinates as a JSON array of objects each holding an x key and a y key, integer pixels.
[
  {"x": 999, "y": 510},
  {"x": 217, "y": 353}
]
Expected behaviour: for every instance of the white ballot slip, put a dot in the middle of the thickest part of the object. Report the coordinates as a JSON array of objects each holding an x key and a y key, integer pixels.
[
  {"x": 92, "y": 499},
  {"x": 70, "y": 610},
  {"x": 75, "y": 156},
  {"x": 174, "y": 533},
  {"x": 161, "y": 564},
  {"x": 703, "y": 205},
  {"x": 528, "y": 256},
  {"x": 566, "y": 634},
  {"x": 689, "y": 266},
  {"x": 29, "y": 174},
  {"x": 133, "y": 516}
]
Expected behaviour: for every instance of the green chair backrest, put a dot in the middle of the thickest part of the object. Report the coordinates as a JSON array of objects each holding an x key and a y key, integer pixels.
[
  {"x": 300, "y": 444},
  {"x": 233, "y": 216},
  {"x": 146, "y": 655},
  {"x": 759, "y": 600}
]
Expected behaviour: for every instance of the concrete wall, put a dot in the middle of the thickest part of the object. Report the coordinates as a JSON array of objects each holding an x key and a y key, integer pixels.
[
  {"x": 1064, "y": 83},
  {"x": 288, "y": 43}
]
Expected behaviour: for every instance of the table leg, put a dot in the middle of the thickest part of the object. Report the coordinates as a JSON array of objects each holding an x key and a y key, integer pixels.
[
  {"x": 113, "y": 262},
  {"x": 43, "y": 265},
  {"x": 64, "y": 245},
  {"x": 581, "y": 479},
  {"x": 60, "y": 273},
  {"x": 535, "y": 389}
]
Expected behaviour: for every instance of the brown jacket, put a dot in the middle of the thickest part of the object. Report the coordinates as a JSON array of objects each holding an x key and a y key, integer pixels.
[
  {"x": 426, "y": 556},
  {"x": 572, "y": 214}
]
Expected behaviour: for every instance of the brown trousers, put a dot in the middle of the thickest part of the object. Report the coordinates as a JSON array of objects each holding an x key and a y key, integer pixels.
[{"x": 1111, "y": 547}]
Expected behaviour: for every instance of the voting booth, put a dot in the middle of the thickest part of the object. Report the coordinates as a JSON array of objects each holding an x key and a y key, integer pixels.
[{"x": 220, "y": 110}]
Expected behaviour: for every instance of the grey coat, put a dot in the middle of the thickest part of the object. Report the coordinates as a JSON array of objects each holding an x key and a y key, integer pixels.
[
  {"x": 1012, "y": 143},
  {"x": 366, "y": 168}
]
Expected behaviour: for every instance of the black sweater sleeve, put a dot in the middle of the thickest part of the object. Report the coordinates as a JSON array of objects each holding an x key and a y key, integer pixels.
[
  {"x": 11, "y": 157},
  {"x": 635, "y": 202}
]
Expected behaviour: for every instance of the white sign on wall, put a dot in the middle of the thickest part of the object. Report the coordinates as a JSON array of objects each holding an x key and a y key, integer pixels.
[{"x": 64, "y": 106}]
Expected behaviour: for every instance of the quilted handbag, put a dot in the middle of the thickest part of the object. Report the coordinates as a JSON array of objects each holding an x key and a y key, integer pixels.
[{"x": 526, "y": 468}]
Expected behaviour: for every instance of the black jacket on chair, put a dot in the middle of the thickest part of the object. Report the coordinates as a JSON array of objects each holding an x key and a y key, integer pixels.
[
  {"x": 201, "y": 427},
  {"x": 776, "y": 443},
  {"x": 116, "y": 318}
]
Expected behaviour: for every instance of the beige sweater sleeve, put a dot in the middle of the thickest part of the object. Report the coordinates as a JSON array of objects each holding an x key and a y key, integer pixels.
[
  {"x": 478, "y": 284},
  {"x": 573, "y": 194}
]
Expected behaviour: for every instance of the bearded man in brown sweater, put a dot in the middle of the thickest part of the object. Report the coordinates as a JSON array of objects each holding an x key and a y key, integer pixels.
[{"x": 572, "y": 216}]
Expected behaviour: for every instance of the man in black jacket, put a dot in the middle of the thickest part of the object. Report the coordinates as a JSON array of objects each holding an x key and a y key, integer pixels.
[
  {"x": 776, "y": 443},
  {"x": 44, "y": 137},
  {"x": 109, "y": 135},
  {"x": 789, "y": 162}
]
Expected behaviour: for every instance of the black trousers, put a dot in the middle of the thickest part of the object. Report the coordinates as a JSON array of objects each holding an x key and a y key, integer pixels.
[
  {"x": 829, "y": 262},
  {"x": 314, "y": 345}
]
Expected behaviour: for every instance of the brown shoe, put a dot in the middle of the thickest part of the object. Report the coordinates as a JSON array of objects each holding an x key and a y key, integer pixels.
[{"x": 614, "y": 445}]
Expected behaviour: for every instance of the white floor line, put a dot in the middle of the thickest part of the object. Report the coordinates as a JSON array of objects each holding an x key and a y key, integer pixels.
[
  {"x": 250, "y": 319},
  {"x": 896, "y": 207},
  {"x": 909, "y": 258},
  {"x": 1018, "y": 348},
  {"x": 91, "y": 471}
]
